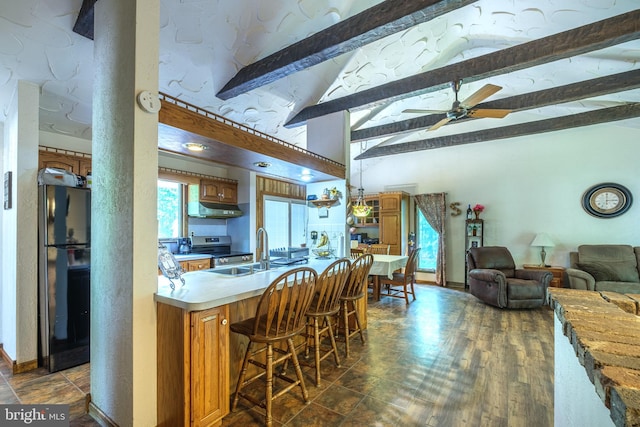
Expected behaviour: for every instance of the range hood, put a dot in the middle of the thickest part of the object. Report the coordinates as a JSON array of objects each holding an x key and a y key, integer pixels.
[{"x": 212, "y": 210}]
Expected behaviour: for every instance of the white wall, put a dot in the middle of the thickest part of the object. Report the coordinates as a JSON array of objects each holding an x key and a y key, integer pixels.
[
  {"x": 528, "y": 185},
  {"x": 335, "y": 224},
  {"x": 19, "y": 269},
  {"x": 575, "y": 401}
]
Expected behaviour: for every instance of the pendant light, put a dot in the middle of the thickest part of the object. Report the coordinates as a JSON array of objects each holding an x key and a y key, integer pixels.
[{"x": 361, "y": 209}]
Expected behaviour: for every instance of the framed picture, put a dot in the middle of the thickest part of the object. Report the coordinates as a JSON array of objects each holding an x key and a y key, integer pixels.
[{"x": 7, "y": 190}]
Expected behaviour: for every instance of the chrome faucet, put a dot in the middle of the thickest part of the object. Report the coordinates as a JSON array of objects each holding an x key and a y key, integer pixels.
[{"x": 262, "y": 239}]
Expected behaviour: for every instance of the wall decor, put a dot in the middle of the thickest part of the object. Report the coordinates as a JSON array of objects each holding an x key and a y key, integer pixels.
[
  {"x": 7, "y": 190},
  {"x": 454, "y": 207},
  {"x": 606, "y": 200}
]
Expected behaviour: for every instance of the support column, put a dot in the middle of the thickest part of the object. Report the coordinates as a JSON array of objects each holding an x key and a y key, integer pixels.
[{"x": 124, "y": 226}]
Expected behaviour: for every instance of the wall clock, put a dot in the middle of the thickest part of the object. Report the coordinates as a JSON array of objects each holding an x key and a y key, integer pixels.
[{"x": 607, "y": 200}]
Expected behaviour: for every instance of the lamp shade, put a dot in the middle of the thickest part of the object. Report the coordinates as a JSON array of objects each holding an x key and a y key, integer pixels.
[{"x": 543, "y": 239}]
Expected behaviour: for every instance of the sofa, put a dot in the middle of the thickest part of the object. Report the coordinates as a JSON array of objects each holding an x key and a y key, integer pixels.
[{"x": 605, "y": 268}]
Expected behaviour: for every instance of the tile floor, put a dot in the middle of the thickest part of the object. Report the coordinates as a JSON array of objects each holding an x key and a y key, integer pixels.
[{"x": 428, "y": 364}]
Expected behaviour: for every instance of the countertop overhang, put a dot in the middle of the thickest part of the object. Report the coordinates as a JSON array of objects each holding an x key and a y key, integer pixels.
[
  {"x": 191, "y": 257},
  {"x": 604, "y": 330},
  {"x": 203, "y": 289}
]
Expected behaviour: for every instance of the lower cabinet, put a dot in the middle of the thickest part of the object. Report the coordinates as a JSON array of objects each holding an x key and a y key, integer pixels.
[
  {"x": 196, "y": 264},
  {"x": 193, "y": 366}
]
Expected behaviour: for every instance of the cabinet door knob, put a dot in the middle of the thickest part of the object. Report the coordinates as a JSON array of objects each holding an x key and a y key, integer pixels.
[{"x": 224, "y": 321}]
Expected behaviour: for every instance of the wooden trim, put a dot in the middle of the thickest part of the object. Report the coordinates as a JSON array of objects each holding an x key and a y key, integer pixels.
[
  {"x": 102, "y": 418},
  {"x": 231, "y": 143},
  {"x": 64, "y": 151},
  {"x": 18, "y": 368}
]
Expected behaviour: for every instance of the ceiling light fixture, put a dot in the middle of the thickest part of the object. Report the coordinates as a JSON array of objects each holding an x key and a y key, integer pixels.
[
  {"x": 361, "y": 209},
  {"x": 306, "y": 176},
  {"x": 195, "y": 146},
  {"x": 262, "y": 164}
]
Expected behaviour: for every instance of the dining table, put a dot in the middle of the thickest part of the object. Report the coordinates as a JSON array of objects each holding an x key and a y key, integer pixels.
[{"x": 385, "y": 265}]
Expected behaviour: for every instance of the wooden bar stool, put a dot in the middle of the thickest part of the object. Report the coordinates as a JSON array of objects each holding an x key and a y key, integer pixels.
[
  {"x": 354, "y": 290},
  {"x": 280, "y": 316},
  {"x": 325, "y": 306}
]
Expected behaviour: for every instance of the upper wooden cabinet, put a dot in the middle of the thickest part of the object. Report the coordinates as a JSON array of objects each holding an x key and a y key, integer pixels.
[
  {"x": 391, "y": 202},
  {"x": 76, "y": 164},
  {"x": 219, "y": 191},
  {"x": 394, "y": 220},
  {"x": 390, "y": 213}
]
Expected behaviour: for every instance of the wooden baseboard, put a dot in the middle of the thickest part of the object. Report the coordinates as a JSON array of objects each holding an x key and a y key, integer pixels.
[
  {"x": 97, "y": 414},
  {"x": 18, "y": 368}
]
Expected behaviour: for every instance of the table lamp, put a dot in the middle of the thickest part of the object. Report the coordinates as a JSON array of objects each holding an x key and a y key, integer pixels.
[{"x": 542, "y": 240}]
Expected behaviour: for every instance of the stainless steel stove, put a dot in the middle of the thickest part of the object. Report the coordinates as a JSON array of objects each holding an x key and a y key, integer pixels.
[{"x": 219, "y": 247}]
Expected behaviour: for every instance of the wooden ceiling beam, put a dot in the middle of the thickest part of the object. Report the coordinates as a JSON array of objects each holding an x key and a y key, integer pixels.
[
  {"x": 84, "y": 21},
  {"x": 375, "y": 23},
  {"x": 581, "y": 40},
  {"x": 595, "y": 87},
  {"x": 603, "y": 115}
]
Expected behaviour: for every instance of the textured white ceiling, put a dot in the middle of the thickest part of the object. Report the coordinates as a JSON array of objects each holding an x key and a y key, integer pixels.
[{"x": 203, "y": 43}]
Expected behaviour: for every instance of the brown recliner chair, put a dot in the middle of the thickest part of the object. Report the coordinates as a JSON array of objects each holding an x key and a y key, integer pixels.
[{"x": 494, "y": 279}]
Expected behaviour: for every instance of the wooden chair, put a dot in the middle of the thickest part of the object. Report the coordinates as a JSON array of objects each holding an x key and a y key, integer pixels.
[
  {"x": 398, "y": 286},
  {"x": 356, "y": 252},
  {"x": 354, "y": 289},
  {"x": 324, "y": 307},
  {"x": 280, "y": 316},
  {"x": 379, "y": 248}
]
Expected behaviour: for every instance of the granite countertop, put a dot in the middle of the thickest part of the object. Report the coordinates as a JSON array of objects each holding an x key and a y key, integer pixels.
[
  {"x": 604, "y": 330},
  {"x": 204, "y": 289}
]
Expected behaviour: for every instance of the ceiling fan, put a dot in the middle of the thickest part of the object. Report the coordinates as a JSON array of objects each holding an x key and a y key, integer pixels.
[{"x": 465, "y": 108}]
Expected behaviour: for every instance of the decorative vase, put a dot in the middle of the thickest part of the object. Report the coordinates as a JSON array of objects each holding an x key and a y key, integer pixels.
[{"x": 477, "y": 214}]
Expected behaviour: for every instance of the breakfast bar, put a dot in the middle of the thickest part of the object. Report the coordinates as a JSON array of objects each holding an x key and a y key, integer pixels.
[{"x": 198, "y": 358}]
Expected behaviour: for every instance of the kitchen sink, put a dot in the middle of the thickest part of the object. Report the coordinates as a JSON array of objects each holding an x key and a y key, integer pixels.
[{"x": 237, "y": 270}]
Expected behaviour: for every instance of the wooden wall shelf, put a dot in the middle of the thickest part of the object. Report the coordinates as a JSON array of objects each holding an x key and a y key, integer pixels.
[{"x": 324, "y": 203}]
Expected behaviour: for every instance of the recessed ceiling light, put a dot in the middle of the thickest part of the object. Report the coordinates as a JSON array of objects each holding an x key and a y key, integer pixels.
[
  {"x": 194, "y": 146},
  {"x": 306, "y": 176},
  {"x": 262, "y": 164}
]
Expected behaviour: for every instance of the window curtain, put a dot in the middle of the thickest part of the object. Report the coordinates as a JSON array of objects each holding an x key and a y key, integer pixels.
[{"x": 433, "y": 208}]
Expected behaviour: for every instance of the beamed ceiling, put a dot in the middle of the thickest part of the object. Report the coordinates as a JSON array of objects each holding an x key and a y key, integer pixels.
[{"x": 273, "y": 65}]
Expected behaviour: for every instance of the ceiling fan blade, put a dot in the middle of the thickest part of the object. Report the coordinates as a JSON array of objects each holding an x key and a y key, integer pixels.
[
  {"x": 440, "y": 123},
  {"x": 480, "y": 95},
  {"x": 418, "y": 111},
  {"x": 493, "y": 113}
]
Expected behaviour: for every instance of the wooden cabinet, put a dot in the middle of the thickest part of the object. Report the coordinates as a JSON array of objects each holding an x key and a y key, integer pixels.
[
  {"x": 394, "y": 221},
  {"x": 193, "y": 366},
  {"x": 389, "y": 219},
  {"x": 219, "y": 191},
  {"x": 558, "y": 273},
  {"x": 77, "y": 164},
  {"x": 193, "y": 265},
  {"x": 196, "y": 264}
]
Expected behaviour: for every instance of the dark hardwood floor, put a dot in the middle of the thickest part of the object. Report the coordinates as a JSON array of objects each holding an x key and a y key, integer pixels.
[{"x": 447, "y": 359}]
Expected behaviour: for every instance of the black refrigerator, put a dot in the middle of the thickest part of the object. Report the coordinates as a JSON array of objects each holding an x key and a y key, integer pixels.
[{"x": 64, "y": 235}]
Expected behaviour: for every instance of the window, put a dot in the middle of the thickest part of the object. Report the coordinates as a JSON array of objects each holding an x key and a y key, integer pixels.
[
  {"x": 169, "y": 209},
  {"x": 285, "y": 220},
  {"x": 427, "y": 240}
]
